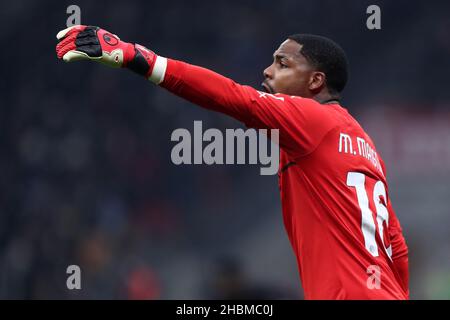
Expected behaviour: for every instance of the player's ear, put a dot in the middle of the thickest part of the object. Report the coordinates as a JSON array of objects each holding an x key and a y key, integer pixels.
[{"x": 316, "y": 81}]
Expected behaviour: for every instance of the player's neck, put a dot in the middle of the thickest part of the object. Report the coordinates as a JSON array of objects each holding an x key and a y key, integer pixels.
[{"x": 326, "y": 98}]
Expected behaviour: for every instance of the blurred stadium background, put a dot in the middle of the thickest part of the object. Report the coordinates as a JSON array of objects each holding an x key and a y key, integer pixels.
[{"x": 85, "y": 170}]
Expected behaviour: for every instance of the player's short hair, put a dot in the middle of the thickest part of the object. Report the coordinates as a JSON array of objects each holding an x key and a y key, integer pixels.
[{"x": 326, "y": 56}]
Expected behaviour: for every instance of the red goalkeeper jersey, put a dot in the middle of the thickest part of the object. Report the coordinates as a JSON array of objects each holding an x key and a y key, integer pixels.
[{"x": 336, "y": 207}]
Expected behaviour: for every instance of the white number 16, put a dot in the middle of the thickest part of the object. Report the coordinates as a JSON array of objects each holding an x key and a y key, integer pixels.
[{"x": 357, "y": 180}]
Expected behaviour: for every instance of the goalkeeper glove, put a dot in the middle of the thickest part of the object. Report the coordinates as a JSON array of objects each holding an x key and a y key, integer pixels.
[{"x": 92, "y": 43}]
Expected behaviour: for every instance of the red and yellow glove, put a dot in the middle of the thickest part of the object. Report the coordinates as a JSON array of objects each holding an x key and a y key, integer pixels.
[{"x": 92, "y": 43}]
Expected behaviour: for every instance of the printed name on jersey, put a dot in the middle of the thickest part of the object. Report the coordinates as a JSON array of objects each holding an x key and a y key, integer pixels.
[{"x": 364, "y": 149}]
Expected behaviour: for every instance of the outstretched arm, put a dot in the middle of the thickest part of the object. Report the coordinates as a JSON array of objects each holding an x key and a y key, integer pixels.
[{"x": 302, "y": 122}]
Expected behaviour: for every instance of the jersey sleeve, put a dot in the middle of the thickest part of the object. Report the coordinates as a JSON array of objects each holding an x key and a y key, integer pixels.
[
  {"x": 399, "y": 248},
  {"x": 302, "y": 122}
]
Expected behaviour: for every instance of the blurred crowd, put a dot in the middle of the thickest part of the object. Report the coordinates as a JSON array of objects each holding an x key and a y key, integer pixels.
[{"x": 85, "y": 170}]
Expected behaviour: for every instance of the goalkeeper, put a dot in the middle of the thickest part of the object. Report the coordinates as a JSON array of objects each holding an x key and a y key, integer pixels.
[{"x": 334, "y": 193}]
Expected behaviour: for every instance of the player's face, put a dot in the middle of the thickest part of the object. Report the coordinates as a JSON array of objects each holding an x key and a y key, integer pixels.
[{"x": 290, "y": 72}]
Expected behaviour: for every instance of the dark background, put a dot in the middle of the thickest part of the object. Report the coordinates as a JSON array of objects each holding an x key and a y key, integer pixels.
[{"x": 85, "y": 171}]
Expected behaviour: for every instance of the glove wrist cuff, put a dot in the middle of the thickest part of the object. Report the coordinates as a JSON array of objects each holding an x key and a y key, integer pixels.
[
  {"x": 140, "y": 60},
  {"x": 158, "y": 71}
]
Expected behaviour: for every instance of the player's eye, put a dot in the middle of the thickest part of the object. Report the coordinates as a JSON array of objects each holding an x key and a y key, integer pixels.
[{"x": 283, "y": 65}]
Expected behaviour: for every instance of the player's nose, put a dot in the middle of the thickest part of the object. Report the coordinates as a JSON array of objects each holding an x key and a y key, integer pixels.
[{"x": 268, "y": 72}]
